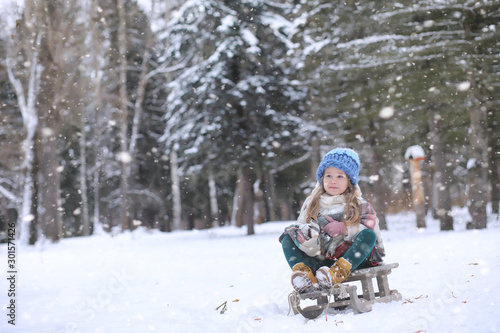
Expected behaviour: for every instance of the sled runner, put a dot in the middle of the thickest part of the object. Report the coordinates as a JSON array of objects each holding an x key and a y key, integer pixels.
[{"x": 346, "y": 295}]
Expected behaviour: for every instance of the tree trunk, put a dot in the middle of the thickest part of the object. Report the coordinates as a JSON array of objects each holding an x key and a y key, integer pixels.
[
  {"x": 32, "y": 221},
  {"x": 141, "y": 90},
  {"x": 440, "y": 186},
  {"x": 270, "y": 195},
  {"x": 96, "y": 108},
  {"x": 46, "y": 145},
  {"x": 258, "y": 201},
  {"x": 417, "y": 188},
  {"x": 212, "y": 190},
  {"x": 48, "y": 180},
  {"x": 234, "y": 208},
  {"x": 494, "y": 158},
  {"x": 124, "y": 154},
  {"x": 83, "y": 178},
  {"x": 26, "y": 103},
  {"x": 176, "y": 191},
  {"x": 239, "y": 194},
  {"x": 495, "y": 179},
  {"x": 245, "y": 214},
  {"x": 478, "y": 162},
  {"x": 379, "y": 189}
]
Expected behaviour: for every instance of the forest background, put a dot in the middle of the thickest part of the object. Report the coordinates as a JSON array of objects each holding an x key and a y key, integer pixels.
[{"x": 191, "y": 114}]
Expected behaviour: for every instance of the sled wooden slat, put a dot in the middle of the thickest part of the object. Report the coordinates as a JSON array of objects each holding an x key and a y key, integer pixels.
[
  {"x": 360, "y": 303},
  {"x": 383, "y": 286}
]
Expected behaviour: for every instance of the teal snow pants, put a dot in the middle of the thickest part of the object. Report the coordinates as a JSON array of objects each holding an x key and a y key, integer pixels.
[{"x": 357, "y": 254}]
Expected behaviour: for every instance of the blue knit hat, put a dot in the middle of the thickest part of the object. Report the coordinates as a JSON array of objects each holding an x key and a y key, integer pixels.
[{"x": 344, "y": 159}]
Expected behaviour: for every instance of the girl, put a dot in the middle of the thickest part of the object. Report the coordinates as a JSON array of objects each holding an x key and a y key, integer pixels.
[{"x": 337, "y": 230}]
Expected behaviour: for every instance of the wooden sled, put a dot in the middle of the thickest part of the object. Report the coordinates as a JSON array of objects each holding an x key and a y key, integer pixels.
[{"x": 346, "y": 295}]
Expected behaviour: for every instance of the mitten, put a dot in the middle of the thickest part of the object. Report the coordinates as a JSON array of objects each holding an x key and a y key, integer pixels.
[{"x": 334, "y": 228}]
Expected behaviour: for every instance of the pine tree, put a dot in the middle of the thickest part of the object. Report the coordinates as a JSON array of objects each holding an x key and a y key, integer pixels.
[{"x": 232, "y": 102}]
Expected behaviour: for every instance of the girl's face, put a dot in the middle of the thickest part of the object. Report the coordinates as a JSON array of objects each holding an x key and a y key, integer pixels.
[{"x": 335, "y": 181}]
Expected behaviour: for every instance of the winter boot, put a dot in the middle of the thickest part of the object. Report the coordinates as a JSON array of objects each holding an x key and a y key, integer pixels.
[
  {"x": 328, "y": 277},
  {"x": 303, "y": 280}
]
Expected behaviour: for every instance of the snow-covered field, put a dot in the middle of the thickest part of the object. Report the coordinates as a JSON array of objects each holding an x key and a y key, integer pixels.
[{"x": 173, "y": 282}]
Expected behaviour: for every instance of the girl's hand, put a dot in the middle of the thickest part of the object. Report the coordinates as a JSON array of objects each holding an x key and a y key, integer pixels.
[{"x": 334, "y": 228}]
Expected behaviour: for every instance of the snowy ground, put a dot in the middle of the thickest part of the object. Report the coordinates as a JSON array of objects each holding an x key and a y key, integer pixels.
[{"x": 173, "y": 282}]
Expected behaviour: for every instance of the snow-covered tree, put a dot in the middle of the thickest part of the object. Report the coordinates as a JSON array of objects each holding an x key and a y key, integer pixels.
[
  {"x": 232, "y": 103},
  {"x": 377, "y": 68},
  {"x": 40, "y": 100},
  {"x": 230, "y": 91}
]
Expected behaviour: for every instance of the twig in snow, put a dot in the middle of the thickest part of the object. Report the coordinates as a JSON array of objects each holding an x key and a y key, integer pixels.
[{"x": 223, "y": 306}]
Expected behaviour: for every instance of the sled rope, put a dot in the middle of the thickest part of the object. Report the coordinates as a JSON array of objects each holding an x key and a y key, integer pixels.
[
  {"x": 289, "y": 303},
  {"x": 342, "y": 294}
]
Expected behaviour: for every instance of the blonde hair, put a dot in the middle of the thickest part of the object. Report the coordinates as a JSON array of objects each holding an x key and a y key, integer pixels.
[{"x": 351, "y": 215}]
